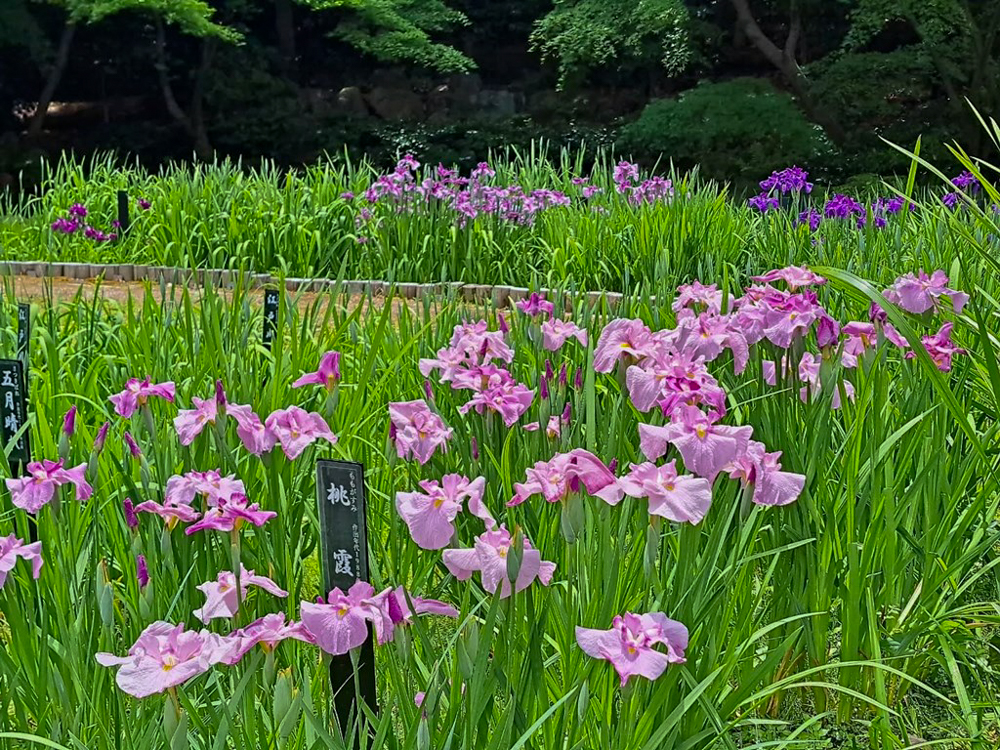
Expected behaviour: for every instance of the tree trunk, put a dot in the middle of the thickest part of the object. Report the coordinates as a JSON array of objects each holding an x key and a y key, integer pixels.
[
  {"x": 784, "y": 61},
  {"x": 284, "y": 22},
  {"x": 52, "y": 82},
  {"x": 193, "y": 123},
  {"x": 202, "y": 147}
]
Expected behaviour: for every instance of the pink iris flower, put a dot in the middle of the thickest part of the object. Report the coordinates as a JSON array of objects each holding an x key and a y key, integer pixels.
[
  {"x": 535, "y": 305},
  {"x": 230, "y": 515},
  {"x": 489, "y": 558},
  {"x": 630, "y": 644},
  {"x": 672, "y": 380},
  {"x": 706, "y": 336},
  {"x": 449, "y": 361},
  {"x": 418, "y": 430},
  {"x": 255, "y": 437},
  {"x": 682, "y": 498},
  {"x": 809, "y": 367},
  {"x": 430, "y": 515},
  {"x": 32, "y": 492},
  {"x": 418, "y": 698},
  {"x": 326, "y": 375},
  {"x": 481, "y": 378},
  {"x": 510, "y": 400},
  {"x": 794, "y": 276},
  {"x": 705, "y": 447},
  {"x": 564, "y": 473},
  {"x": 770, "y": 371},
  {"x": 215, "y": 488},
  {"x": 771, "y": 485},
  {"x": 827, "y": 331},
  {"x": 750, "y": 318},
  {"x": 791, "y": 319},
  {"x": 267, "y": 632},
  {"x": 891, "y": 334},
  {"x": 220, "y": 594},
  {"x": 471, "y": 344},
  {"x": 189, "y": 423},
  {"x": 395, "y": 611},
  {"x": 701, "y": 297},
  {"x": 918, "y": 293},
  {"x": 879, "y": 316},
  {"x": 939, "y": 346},
  {"x": 478, "y": 341},
  {"x": 858, "y": 338},
  {"x": 12, "y": 548},
  {"x": 554, "y": 427},
  {"x": 341, "y": 623},
  {"x": 137, "y": 393},
  {"x": 171, "y": 511},
  {"x": 164, "y": 656},
  {"x": 69, "y": 421},
  {"x": 296, "y": 429},
  {"x": 630, "y": 340},
  {"x": 557, "y": 332}
]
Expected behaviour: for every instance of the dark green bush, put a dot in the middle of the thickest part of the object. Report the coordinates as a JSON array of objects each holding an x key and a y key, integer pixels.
[
  {"x": 253, "y": 111},
  {"x": 740, "y": 130},
  {"x": 890, "y": 95}
]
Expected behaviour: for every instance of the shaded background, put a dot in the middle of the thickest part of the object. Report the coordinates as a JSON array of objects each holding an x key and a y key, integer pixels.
[{"x": 739, "y": 87}]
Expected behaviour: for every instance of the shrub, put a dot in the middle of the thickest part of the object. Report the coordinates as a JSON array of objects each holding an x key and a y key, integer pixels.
[
  {"x": 738, "y": 130},
  {"x": 899, "y": 105}
]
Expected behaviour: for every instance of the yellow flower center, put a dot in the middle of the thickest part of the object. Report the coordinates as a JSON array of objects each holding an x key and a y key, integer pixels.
[
  {"x": 438, "y": 502},
  {"x": 701, "y": 432},
  {"x": 169, "y": 662},
  {"x": 631, "y": 650}
]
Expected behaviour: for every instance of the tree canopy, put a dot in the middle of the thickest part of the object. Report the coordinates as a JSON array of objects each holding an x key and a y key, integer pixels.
[{"x": 581, "y": 35}]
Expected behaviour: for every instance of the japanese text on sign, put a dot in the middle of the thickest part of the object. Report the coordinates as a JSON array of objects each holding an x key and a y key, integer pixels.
[{"x": 13, "y": 408}]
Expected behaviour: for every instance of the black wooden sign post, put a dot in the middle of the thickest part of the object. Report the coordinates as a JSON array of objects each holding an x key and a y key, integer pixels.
[
  {"x": 14, "y": 413},
  {"x": 270, "y": 316},
  {"x": 340, "y": 492},
  {"x": 123, "y": 218},
  {"x": 23, "y": 332}
]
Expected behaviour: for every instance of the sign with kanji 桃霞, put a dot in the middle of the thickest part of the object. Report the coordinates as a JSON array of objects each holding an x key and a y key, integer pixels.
[{"x": 340, "y": 492}]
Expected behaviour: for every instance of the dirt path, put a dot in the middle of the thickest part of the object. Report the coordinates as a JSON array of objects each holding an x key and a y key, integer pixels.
[{"x": 63, "y": 289}]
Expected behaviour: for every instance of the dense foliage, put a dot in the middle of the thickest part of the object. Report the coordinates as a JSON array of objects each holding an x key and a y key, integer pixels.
[
  {"x": 587, "y": 34},
  {"x": 697, "y": 129},
  {"x": 292, "y": 79}
]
